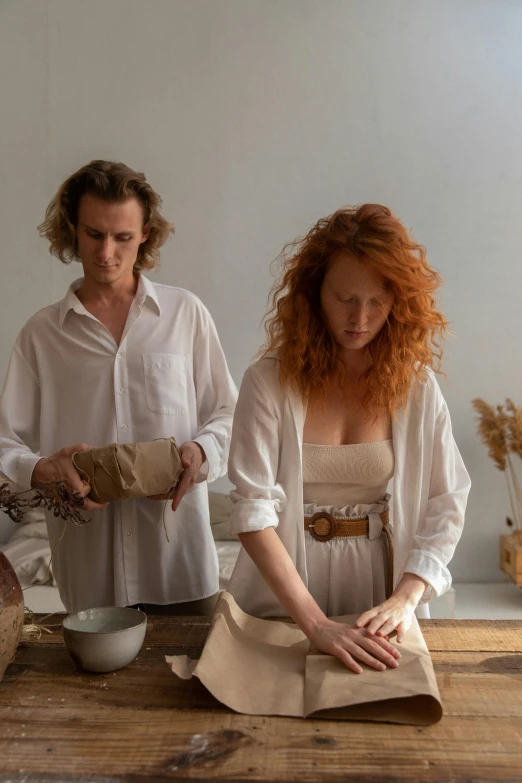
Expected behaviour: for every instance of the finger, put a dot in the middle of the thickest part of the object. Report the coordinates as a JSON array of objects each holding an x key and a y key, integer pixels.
[
  {"x": 389, "y": 626},
  {"x": 76, "y": 486},
  {"x": 376, "y": 623},
  {"x": 365, "y": 618},
  {"x": 402, "y": 628},
  {"x": 91, "y": 505},
  {"x": 186, "y": 454},
  {"x": 379, "y": 652},
  {"x": 79, "y": 447},
  {"x": 347, "y": 659},
  {"x": 386, "y": 645},
  {"x": 181, "y": 489},
  {"x": 82, "y": 499},
  {"x": 78, "y": 496},
  {"x": 364, "y": 657},
  {"x": 86, "y": 487}
]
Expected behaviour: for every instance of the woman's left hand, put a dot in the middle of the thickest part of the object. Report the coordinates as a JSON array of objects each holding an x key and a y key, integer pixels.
[{"x": 396, "y": 613}]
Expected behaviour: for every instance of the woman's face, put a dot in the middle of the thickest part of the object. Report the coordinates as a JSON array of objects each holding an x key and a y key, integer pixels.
[{"x": 355, "y": 301}]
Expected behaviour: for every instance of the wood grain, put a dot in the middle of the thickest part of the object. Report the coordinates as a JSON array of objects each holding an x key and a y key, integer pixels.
[{"x": 58, "y": 723}]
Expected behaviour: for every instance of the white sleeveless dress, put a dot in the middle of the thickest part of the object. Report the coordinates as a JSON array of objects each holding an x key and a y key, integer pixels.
[{"x": 347, "y": 575}]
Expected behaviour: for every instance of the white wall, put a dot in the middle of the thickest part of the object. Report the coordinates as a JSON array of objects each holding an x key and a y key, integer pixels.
[{"x": 254, "y": 118}]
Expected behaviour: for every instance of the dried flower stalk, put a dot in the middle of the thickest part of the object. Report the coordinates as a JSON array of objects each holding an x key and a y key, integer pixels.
[
  {"x": 500, "y": 429},
  {"x": 492, "y": 430},
  {"x": 54, "y": 496},
  {"x": 514, "y": 423}
]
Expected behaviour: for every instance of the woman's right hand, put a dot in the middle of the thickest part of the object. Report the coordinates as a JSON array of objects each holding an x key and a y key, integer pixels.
[
  {"x": 354, "y": 645},
  {"x": 350, "y": 645}
]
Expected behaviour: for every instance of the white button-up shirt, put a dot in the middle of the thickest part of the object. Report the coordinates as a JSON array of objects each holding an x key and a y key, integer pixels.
[
  {"x": 429, "y": 488},
  {"x": 68, "y": 381}
]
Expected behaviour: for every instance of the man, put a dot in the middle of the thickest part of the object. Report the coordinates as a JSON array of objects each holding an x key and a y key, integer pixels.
[{"x": 120, "y": 359}]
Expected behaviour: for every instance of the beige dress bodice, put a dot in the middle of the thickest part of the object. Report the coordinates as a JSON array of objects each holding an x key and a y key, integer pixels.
[{"x": 347, "y": 475}]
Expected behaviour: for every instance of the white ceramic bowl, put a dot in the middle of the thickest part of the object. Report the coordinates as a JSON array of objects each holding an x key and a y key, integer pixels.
[{"x": 106, "y": 638}]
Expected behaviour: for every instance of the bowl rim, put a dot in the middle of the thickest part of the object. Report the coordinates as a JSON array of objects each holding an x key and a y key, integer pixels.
[{"x": 138, "y": 624}]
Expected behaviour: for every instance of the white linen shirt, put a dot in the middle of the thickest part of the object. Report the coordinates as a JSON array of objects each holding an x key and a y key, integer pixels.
[
  {"x": 429, "y": 488},
  {"x": 69, "y": 382}
]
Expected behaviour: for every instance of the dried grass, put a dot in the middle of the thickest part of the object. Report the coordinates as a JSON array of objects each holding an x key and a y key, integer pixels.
[
  {"x": 500, "y": 429},
  {"x": 492, "y": 430}
]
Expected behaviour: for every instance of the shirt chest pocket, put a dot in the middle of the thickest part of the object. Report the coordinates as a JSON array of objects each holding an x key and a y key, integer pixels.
[{"x": 166, "y": 383}]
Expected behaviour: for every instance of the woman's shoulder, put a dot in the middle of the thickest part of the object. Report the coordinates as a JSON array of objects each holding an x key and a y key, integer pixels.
[
  {"x": 425, "y": 390},
  {"x": 265, "y": 372},
  {"x": 262, "y": 379}
]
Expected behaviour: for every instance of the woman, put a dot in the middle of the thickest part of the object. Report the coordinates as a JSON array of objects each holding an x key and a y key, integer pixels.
[{"x": 343, "y": 404}]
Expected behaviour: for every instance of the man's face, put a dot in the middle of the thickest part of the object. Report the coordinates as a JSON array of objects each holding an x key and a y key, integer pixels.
[{"x": 109, "y": 236}]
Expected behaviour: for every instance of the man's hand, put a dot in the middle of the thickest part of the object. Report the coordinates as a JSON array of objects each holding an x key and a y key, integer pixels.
[
  {"x": 192, "y": 458},
  {"x": 59, "y": 467},
  {"x": 396, "y": 613}
]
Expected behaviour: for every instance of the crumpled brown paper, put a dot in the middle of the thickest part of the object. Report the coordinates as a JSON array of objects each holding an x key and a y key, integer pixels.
[
  {"x": 265, "y": 667},
  {"x": 131, "y": 470}
]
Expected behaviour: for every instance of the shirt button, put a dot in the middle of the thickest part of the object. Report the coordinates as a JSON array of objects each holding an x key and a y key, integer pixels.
[
  {"x": 118, "y": 355},
  {"x": 123, "y": 426},
  {"x": 120, "y": 391},
  {"x": 129, "y": 535}
]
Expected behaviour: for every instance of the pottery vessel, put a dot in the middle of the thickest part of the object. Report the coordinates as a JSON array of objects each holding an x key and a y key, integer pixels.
[
  {"x": 106, "y": 638},
  {"x": 11, "y": 613}
]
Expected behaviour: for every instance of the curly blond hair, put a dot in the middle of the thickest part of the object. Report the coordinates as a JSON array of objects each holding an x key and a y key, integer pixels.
[{"x": 112, "y": 182}]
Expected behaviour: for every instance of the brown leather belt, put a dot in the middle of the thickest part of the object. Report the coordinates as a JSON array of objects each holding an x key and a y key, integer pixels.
[{"x": 323, "y": 527}]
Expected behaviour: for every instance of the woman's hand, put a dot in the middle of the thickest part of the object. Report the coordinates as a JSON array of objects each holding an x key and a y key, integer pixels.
[
  {"x": 396, "y": 613},
  {"x": 353, "y": 645}
]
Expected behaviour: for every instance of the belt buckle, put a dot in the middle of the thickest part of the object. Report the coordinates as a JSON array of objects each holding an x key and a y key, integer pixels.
[{"x": 330, "y": 532}]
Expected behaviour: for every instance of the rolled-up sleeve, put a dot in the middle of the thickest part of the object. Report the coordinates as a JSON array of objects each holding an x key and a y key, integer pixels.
[
  {"x": 439, "y": 531},
  {"x": 216, "y": 396},
  {"x": 254, "y": 458},
  {"x": 19, "y": 417}
]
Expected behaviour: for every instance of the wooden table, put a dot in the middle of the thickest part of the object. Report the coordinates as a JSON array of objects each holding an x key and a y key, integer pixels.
[{"x": 58, "y": 723}]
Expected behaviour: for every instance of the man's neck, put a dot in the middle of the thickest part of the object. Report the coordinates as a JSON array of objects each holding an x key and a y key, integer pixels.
[{"x": 91, "y": 292}]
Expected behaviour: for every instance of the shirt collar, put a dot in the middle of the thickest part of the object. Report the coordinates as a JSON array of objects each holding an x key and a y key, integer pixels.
[{"x": 145, "y": 290}]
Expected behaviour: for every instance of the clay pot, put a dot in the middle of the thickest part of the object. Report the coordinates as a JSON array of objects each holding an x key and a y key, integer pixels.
[{"x": 11, "y": 613}]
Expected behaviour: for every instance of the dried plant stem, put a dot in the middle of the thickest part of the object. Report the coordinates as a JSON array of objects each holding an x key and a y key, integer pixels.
[
  {"x": 53, "y": 496},
  {"x": 516, "y": 505},
  {"x": 33, "y": 630},
  {"x": 513, "y": 500}
]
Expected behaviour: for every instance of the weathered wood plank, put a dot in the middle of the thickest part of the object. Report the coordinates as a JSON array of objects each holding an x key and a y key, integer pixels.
[
  {"x": 490, "y": 635},
  {"x": 143, "y": 724},
  {"x": 439, "y": 634},
  {"x": 240, "y": 747}
]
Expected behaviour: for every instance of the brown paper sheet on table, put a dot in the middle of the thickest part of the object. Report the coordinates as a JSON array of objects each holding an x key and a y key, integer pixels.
[
  {"x": 266, "y": 667},
  {"x": 131, "y": 470}
]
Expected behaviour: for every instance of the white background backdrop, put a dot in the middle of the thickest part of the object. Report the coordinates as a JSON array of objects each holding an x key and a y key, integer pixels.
[{"x": 253, "y": 118}]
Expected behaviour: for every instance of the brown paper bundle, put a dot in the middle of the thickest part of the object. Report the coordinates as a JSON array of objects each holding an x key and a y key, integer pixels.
[
  {"x": 262, "y": 667},
  {"x": 132, "y": 470}
]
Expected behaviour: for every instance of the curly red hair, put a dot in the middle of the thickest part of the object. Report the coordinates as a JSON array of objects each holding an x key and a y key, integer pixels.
[{"x": 408, "y": 343}]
